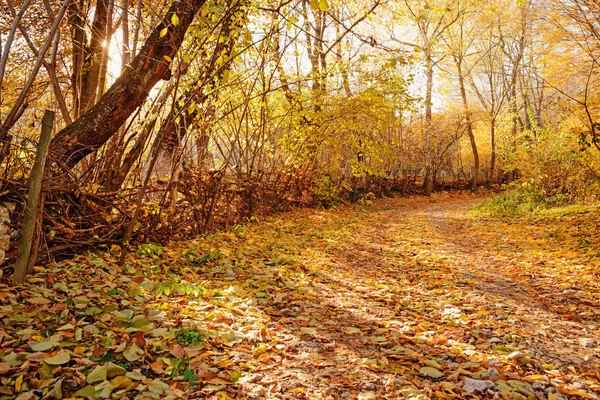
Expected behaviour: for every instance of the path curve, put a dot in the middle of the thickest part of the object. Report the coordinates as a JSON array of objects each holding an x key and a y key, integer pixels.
[{"x": 406, "y": 288}]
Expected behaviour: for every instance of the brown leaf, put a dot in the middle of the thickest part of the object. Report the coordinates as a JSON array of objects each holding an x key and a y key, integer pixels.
[
  {"x": 158, "y": 367},
  {"x": 4, "y": 368},
  {"x": 177, "y": 351},
  {"x": 138, "y": 338}
]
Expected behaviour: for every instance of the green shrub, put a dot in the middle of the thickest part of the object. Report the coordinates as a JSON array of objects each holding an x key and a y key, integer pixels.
[
  {"x": 522, "y": 199},
  {"x": 554, "y": 170}
]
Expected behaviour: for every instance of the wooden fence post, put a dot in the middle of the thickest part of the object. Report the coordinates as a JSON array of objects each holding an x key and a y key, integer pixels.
[{"x": 33, "y": 198}]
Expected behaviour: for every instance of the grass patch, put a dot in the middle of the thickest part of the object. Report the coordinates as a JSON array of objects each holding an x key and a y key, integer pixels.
[{"x": 524, "y": 200}]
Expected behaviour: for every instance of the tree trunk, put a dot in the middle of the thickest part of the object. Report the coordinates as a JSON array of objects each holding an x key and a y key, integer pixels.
[
  {"x": 129, "y": 91},
  {"x": 493, "y": 146},
  {"x": 428, "y": 181},
  {"x": 78, "y": 40},
  {"x": 105, "y": 56},
  {"x": 469, "y": 120},
  {"x": 93, "y": 57}
]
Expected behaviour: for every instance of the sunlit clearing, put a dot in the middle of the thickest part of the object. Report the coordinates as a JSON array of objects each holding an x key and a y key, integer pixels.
[{"x": 115, "y": 56}]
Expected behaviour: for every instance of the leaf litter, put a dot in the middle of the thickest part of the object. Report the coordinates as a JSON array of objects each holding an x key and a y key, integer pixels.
[{"x": 405, "y": 298}]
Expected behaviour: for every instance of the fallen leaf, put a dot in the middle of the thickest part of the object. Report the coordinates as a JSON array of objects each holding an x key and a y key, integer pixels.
[
  {"x": 60, "y": 358},
  {"x": 43, "y": 346},
  {"x": 431, "y": 372},
  {"x": 18, "y": 383},
  {"x": 133, "y": 352}
]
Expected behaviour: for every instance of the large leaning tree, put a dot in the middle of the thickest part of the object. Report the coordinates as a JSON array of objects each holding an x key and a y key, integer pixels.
[{"x": 95, "y": 127}]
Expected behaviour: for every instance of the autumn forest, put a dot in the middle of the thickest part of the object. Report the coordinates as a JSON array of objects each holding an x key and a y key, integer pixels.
[{"x": 300, "y": 199}]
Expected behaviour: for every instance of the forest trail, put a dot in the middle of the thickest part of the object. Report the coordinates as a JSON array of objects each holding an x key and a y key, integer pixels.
[
  {"x": 401, "y": 298},
  {"x": 429, "y": 285}
]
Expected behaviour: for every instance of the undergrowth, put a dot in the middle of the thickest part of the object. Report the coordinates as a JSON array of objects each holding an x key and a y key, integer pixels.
[{"x": 522, "y": 199}]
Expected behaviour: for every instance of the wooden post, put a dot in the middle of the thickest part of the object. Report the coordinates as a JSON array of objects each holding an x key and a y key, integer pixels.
[{"x": 33, "y": 198}]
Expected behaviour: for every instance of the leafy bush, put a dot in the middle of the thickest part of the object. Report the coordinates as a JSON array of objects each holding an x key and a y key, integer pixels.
[
  {"x": 522, "y": 199},
  {"x": 553, "y": 169}
]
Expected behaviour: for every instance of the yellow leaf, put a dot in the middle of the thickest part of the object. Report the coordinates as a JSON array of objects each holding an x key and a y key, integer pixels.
[
  {"x": 164, "y": 32},
  {"x": 223, "y": 396},
  {"x": 192, "y": 108},
  {"x": 323, "y": 5},
  {"x": 169, "y": 59},
  {"x": 187, "y": 58},
  {"x": 175, "y": 20},
  {"x": 536, "y": 377},
  {"x": 19, "y": 383}
]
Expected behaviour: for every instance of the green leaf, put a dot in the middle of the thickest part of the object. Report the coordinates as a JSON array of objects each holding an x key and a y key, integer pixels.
[{"x": 190, "y": 376}]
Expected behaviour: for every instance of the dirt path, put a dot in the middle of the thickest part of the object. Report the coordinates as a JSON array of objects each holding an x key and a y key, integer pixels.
[
  {"x": 408, "y": 289},
  {"x": 403, "y": 298}
]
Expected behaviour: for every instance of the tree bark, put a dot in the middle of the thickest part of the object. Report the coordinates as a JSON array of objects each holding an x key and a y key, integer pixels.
[
  {"x": 129, "y": 91},
  {"x": 78, "y": 40},
  {"x": 493, "y": 146},
  {"x": 428, "y": 180},
  {"x": 92, "y": 62},
  {"x": 33, "y": 199},
  {"x": 469, "y": 120}
]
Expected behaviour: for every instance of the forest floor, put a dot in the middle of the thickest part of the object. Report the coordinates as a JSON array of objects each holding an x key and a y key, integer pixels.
[{"x": 401, "y": 298}]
